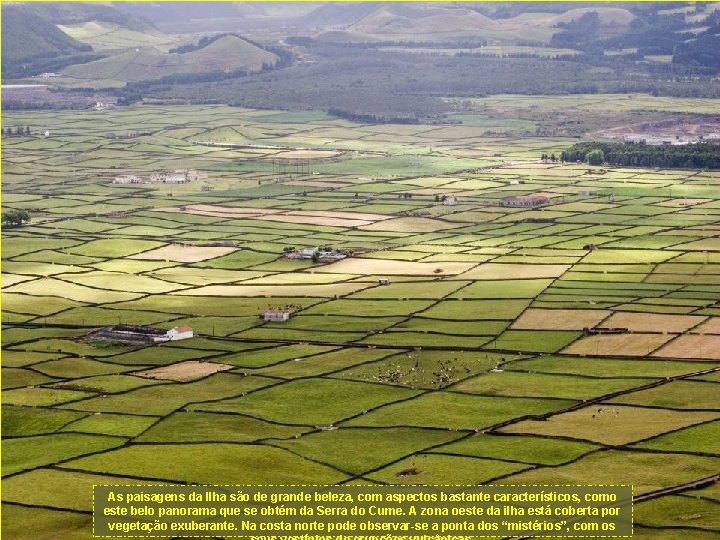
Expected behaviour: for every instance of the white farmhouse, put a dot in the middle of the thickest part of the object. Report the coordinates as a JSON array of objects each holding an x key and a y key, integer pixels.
[
  {"x": 276, "y": 315},
  {"x": 179, "y": 332}
]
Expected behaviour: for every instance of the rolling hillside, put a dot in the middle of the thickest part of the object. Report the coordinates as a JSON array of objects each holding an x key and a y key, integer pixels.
[
  {"x": 412, "y": 22},
  {"x": 227, "y": 54},
  {"x": 27, "y": 38},
  {"x": 103, "y": 35}
]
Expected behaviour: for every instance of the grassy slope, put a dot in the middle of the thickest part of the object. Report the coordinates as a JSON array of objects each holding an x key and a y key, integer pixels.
[
  {"x": 228, "y": 53},
  {"x": 25, "y": 35}
]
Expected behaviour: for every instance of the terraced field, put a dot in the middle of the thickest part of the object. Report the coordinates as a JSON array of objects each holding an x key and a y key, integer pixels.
[{"x": 459, "y": 341}]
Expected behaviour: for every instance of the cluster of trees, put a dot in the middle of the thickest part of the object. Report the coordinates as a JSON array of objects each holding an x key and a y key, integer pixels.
[
  {"x": 15, "y": 218},
  {"x": 408, "y": 87},
  {"x": 136, "y": 91},
  {"x": 702, "y": 155},
  {"x": 18, "y": 131},
  {"x": 203, "y": 42},
  {"x": 545, "y": 158}
]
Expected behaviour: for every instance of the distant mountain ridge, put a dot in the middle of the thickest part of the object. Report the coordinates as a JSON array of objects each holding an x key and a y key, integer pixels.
[{"x": 28, "y": 39}]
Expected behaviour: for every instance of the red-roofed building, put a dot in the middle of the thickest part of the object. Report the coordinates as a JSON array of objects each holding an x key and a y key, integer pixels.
[{"x": 180, "y": 332}]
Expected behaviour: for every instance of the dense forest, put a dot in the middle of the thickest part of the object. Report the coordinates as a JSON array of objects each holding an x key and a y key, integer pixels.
[
  {"x": 702, "y": 155},
  {"x": 369, "y": 83}
]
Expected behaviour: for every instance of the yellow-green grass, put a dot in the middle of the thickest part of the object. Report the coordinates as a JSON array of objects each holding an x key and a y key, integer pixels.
[
  {"x": 61, "y": 489},
  {"x": 104, "y": 316},
  {"x": 116, "y": 281},
  {"x": 503, "y": 289},
  {"x": 120, "y": 425},
  {"x": 321, "y": 291},
  {"x": 166, "y": 398},
  {"x": 678, "y": 511},
  {"x": 273, "y": 355},
  {"x": 208, "y": 306},
  {"x": 39, "y": 305},
  {"x": 612, "y": 424},
  {"x": 508, "y": 383},
  {"x": 219, "y": 463},
  {"x": 369, "y": 308},
  {"x": 456, "y": 411},
  {"x": 27, "y": 523},
  {"x": 520, "y": 448},
  {"x": 603, "y": 367},
  {"x": 644, "y": 471},
  {"x": 278, "y": 332},
  {"x": 416, "y": 290},
  {"x": 339, "y": 448},
  {"x": 107, "y": 384},
  {"x": 21, "y": 421},
  {"x": 419, "y": 369},
  {"x": 421, "y": 339},
  {"x": 18, "y": 377},
  {"x": 41, "y": 397},
  {"x": 701, "y": 439},
  {"x": 205, "y": 427},
  {"x": 310, "y": 401},
  {"x": 215, "y": 326},
  {"x": 671, "y": 533},
  {"x": 534, "y": 340},
  {"x": 476, "y": 309},
  {"x": 14, "y": 246},
  {"x": 559, "y": 319},
  {"x": 465, "y": 327},
  {"x": 383, "y": 267},
  {"x": 160, "y": 355},
  {"x": 18, "y": 358},
  {"x": 495, "y": 271},
  {"x": 38, "y": 269},
  {"x": 319, "y": 323},
  {"x": 675, "y": 395},
  {"x": 324, "y": 363},
  {"x": 72, "y": 368},
  {"x": 112, "y": 248},
  {"x": 70, "y": 291},
  {"x": 437, "y": 469},
  {"x": 37, "y": 451}
]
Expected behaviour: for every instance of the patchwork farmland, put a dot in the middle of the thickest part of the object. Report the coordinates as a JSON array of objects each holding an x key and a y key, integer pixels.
[{"x": 573, "y": 342}]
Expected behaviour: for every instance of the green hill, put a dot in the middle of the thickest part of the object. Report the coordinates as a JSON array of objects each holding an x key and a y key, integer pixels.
[
  {"x": 228, "y": 54},
  {"x": 455, "y": 22},
  {"x": 103, "y": 36},
  {"x": 27, "y": 37},
  {"x": 80, "y": 12},
  {"x": 31, "y": 45}
]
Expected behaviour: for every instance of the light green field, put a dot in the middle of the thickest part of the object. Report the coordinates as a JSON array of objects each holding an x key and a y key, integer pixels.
[{"x": 365, "y": 379}]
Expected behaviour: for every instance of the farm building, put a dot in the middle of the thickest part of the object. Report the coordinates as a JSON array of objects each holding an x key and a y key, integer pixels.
[
  {"x": 309, "y": 253},
  {"x": 383, "y": 281},
  {"x": 140, "y": 334},
  {"x": 450, "y": 200},
  {"x": 525, "y": 201},
  {"x": 276, "y": 315},
  {"x": 127, "y": 179},
  {"x": 176, "y": 177},
  {"x": 180, "y": 332}
]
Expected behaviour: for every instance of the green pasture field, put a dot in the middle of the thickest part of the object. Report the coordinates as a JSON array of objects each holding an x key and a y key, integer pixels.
[{"x": 365, "y": 379}]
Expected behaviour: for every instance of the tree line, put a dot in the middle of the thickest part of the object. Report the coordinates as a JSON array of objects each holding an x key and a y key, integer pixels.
[
  {"x": 19, "y": 131},
  {"x": 701, "y": 155},
  {"x": 15, "y": 218}
]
